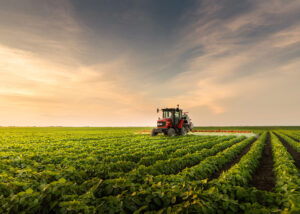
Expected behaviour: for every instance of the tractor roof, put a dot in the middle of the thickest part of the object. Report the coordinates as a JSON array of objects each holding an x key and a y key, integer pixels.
[{"x": 171, "y": 109}]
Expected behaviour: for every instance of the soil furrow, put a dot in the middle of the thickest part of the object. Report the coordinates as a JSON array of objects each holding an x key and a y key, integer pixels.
[
  {"x": 230, "y": 164},
  {"x": 293, "y": 138},
  {"x": 264, "y": 178},
  {"x": 291, "y": 150}
]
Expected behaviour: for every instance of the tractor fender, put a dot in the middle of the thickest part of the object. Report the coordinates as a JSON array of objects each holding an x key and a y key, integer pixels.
[{"x": 180, "y": 124}]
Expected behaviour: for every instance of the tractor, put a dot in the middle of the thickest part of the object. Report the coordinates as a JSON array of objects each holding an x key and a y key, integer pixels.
[{"x": 173, "y": 122}]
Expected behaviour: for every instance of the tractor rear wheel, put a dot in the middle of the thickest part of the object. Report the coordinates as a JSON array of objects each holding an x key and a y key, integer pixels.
[
  {"x": 171, "y": 132},
  {"x": 183, "y": 131},
  {"x": 187, "y": 128},
  {"x": 154, "y": 132}
]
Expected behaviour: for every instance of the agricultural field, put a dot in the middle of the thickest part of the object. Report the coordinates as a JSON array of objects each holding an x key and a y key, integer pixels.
[{"x": 116, "y": 170}]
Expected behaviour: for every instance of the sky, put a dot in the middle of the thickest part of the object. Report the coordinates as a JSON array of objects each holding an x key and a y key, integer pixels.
[{"x": 112, "y": 63}]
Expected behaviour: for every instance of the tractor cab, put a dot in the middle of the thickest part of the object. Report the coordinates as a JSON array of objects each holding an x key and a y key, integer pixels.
[
  {"x": 173, "y": 122},
  {"x": 171, "y": 114}
]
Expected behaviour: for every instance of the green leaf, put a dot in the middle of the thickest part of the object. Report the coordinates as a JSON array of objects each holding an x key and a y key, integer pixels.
[
  {"x": 140, "y": 209},
  {"x": 62, "y": 180},
  {"x": 29, "y": 191}
]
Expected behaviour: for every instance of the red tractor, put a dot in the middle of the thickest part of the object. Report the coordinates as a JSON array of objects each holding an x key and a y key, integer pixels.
[{"x": 173, "y": 122}]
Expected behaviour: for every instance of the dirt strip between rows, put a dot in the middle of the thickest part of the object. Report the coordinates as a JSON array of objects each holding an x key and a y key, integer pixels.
[
  {"x": 292, "y": 138},
  {"x": 229, "y": 165},
  {"x": 264, "y": 178},
  {"x": 295, "y": 155}
]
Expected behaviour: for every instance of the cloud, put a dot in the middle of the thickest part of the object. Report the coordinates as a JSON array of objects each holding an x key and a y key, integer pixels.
[
  {"x": 36, "y": 86},
  {"x": 60, "y": 65},
  {"x": 46, "y": 29},
  {"x": 229, "y": 57}
]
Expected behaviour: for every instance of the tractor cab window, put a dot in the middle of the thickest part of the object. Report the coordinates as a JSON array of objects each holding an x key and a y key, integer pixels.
[
  {"x": 177, "y": 114},
  {"x": 167, "y": 114}
]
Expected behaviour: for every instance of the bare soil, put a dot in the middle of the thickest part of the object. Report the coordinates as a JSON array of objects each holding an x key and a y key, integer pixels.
[
  {"x": 292, "y": 151},
  {"x": 229, "y": 165},
  {"x": 264, "y": 178}
]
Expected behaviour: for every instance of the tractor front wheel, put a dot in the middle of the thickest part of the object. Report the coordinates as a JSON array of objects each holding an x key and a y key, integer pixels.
[
  {"x": 171, "y": 132},
  {"x": 154, "y": 132}
]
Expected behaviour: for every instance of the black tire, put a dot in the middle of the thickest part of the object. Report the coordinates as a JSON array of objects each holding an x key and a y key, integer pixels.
[
  {"x": 171, "y": 132},
  {"x": 183, "y": 131},
  {"x": 187, "y": 128},
  {"x": 154, "y": 132}
]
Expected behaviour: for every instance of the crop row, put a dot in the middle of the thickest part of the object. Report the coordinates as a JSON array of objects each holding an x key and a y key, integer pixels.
[
  {"x": 293, "y": 143},
  {"x": 41, "y": 190},
  {"x": 109, "y": 188},
  {"x": 142, "y": 174},
  {"x": 78, "y": 170},
  {"x": 287, "y": 174},
  {"x": 169, "y": 189},
  {"x": 214, "y": 163},
  {"x": 241, "y": 173},
  {"x": 194, "y": 147},
  {"x": 175, "y": 165},
  {"x": 294, "y": 135},
  {"x": 234, "y": 182},
  {"x": 77, "y": 167},
  {"x": 144, "y": 153},
  {"x": 120, "y": 168}
]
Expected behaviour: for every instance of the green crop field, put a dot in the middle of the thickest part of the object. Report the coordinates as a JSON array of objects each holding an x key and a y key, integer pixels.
[{"x": 115, "y": 170}]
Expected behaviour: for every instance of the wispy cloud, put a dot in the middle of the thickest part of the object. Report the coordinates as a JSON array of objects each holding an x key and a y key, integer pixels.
[
  {"x": 237, "y": 51},
  {"x": 65, "y": 63},
  {"x": 50, "y": 89}
]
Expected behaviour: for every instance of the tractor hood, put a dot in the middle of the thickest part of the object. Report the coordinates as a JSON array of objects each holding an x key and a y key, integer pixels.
[
  {"x": 163, "y": 123},
  {"x": 164, "y": 120}
]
